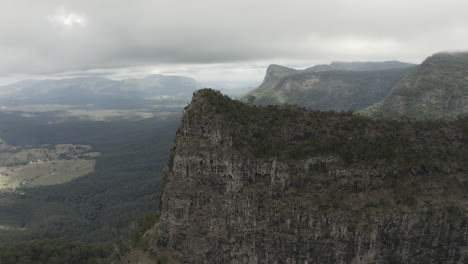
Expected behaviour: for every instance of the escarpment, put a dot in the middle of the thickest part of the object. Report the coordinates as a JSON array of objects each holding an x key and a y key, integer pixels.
[
  {"x": 338, "y": 86},
  {"x": 282, "y": 184}
]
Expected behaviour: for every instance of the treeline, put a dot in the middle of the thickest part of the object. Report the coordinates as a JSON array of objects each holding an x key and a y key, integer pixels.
[{"x": 292, "y": 132}]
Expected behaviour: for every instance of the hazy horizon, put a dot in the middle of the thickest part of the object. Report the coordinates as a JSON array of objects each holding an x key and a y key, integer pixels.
[{"x": 213, "y": 41}]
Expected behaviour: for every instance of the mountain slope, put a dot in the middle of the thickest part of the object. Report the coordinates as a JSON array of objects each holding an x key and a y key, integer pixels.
[
  {"x": 437, "y": 89},
  {"x": 330, "y": 87},
  {"x": 282, "y": 184}
]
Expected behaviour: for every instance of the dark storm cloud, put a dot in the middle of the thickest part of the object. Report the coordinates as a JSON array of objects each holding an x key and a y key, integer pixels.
[{"x": 54, "y": 37}]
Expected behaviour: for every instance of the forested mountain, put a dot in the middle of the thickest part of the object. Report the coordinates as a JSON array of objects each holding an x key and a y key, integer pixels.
[
  {"x": 338, "y": 86},
  {"x": 234, "y": 132},
  {"x": 237, "y": 169},
  {"x": 437, "y": 89},
  {"x": 283, "y": 184}
]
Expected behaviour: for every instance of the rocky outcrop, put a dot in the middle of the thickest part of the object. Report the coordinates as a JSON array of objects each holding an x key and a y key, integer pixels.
[
  {"x": 438, "y": 89},
  {"x": 338, "y": 86},
  {"x": 269, "y": 185}
]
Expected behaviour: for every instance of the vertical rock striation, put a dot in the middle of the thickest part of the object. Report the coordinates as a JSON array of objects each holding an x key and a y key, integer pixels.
[{"x": 231, "y": 197}]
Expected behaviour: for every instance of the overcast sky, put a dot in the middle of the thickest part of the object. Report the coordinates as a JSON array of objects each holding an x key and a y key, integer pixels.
[{"x": 218, "y": 40}]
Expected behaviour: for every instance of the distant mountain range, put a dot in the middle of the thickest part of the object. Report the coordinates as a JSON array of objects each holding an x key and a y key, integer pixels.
[
  {"x": 338, "y": 86},
  {"x": 360, "y": 66},
  {"x": 438, "y": 89},
  {"x": 98, "y": 91}
]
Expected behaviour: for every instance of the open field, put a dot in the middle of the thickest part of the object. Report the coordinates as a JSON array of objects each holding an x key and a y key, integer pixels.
[
  {"x": 22, "y": 155},
  {"x": 87, "y": 112},
  {"x": 44, "y": 173},
  {"x": 44, "y": 165}
]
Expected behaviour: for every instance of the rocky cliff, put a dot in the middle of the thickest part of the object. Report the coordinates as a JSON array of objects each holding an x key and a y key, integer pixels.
[
  {"x": 338, "y": 86},
  {"x": 282, "y": 184},
  {"x": 437, "y": 89}
]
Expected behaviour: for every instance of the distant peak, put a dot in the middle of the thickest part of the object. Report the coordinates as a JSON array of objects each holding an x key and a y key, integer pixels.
[
  {"x": 450, "y": 54},
  {"x": 447, "y": 57},
  {"x": 274, "y": 68},
  {"x": 206, "y": 92},
  {"x": 278, "y": 71},
  {"x": 206, "y": 97}
]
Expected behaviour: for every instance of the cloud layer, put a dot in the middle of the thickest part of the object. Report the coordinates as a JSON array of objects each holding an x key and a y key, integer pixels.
[{"x": 57, "y": 37}]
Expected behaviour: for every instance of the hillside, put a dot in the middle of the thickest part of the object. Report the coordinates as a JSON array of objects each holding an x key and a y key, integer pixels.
[
  {"x": 437, "y": 89},
  {"x": 282, "y": 184},
  {"x": 338, "y": 86}
]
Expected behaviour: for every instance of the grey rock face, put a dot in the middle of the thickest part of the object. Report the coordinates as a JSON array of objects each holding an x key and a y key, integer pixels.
[{"x": 221, "y": 204}]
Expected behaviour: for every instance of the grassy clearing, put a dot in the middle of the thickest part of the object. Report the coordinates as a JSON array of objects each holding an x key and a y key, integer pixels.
[
  {"x": 44, "y": 173},
  {"x": 22, "y": 155},
  {"x": 86, "y": 112},
  {"x": 44, "y": 165}
]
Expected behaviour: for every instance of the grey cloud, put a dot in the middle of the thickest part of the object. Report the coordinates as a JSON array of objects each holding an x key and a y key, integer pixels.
[{"x": 117, "y": 34}]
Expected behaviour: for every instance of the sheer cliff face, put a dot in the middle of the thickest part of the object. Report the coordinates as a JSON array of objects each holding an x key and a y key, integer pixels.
[{"x": 245, "y": 186}]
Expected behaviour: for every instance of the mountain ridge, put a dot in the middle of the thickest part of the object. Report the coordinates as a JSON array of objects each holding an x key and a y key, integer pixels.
[
  {"x": 360, "y": 66},
  {"x": 283, "y": 184},
  {"x": 330, "y": 89},
  {"x": 96, "y": 90}
]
